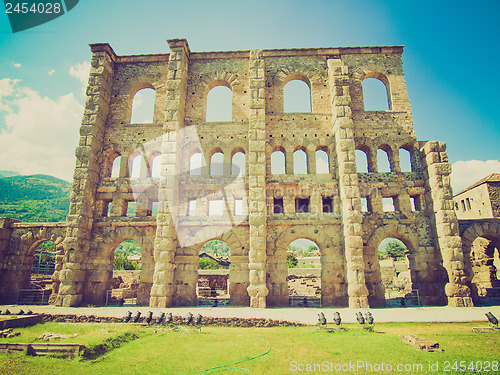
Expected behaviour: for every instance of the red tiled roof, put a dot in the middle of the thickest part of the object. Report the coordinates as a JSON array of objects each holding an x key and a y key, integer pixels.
[{"x": 494, "y": 177}]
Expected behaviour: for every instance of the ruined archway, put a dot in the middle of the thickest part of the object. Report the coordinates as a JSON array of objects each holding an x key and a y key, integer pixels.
[
  {"x": 480, "y": 244},
  {"x": 333, "y": 287},
  {"x": 373, "y": 269},
  {"x": 304, "y": 273},
  {"x": 127, "y": 268}
]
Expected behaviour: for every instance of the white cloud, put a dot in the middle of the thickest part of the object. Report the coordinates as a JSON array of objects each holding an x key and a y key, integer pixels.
[
  {"x": 51, "y": 72},
  {"x": 81, "y": 72},
  {"x": 41, "y": 133},
  {"x": 466, "y": 173},
  {"x": 17, "y": 65}
]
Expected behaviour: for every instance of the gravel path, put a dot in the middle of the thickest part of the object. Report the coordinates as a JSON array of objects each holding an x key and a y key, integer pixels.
[{"x": 302, "y": 315}]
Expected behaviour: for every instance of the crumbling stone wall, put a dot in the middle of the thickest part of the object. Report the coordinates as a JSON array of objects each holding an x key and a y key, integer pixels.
[
  {"x": 18, "y": 243},
  {"x": 347, "y": 236}
]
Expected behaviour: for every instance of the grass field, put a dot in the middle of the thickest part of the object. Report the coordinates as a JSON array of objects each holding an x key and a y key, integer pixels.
[{"x": 277, "y": 350}]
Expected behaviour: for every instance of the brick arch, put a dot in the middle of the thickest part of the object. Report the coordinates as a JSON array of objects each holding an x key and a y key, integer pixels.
[
  {"x": 286, "y": 74},
  {"x": 138, "y": 83},
  {"x": 376, "y": 291},
  {"x": 219, "y": 78},
  {"x": 322, "y": 239},
  {"x": 489, "y": 230},
  {"x": 360, "y": 74}
]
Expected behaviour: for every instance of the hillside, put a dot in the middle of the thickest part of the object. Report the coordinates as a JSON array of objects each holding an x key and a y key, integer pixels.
[{"x": 35, "y": 198}]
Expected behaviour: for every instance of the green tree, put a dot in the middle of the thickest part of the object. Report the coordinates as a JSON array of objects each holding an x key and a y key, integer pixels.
[
  {"x": 291, "y": 261},
  {"x": 396, "y": 249},
  {"x": 121, "y": 262},
  {"x": 207, "y": 263}
]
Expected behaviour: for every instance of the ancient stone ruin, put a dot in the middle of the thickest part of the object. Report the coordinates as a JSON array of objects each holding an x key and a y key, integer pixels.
[{"x": 191, "y": 180}]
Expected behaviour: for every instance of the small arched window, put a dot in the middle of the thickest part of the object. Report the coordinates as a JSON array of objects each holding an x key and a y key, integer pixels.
[
  {"x": 375, "y": 95},
  {"x": 219, "y": 104},
  {"x": 322, "y": 163},
  {"x": 135, "y": 170},
  {"x": 238, "y": 164},
  {"x": 195, "y": 164},
  {"x": 217, "y": 164},
  {"x": 143, "y": 106},
  {"x": 278, "y": 162},
  {"x": 299, "y": 162},
  {"x": 115, "y": 169},
  {"x": 404, "y": 160},
  {"x": 296, "y": 96},
  {"x": 361, "y": 161},
  {"x": 383, "y": 163},
  {"x": 156, "y": 166}
]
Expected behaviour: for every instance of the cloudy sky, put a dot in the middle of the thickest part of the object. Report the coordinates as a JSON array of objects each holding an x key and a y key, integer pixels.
[{"x": 451, "y": 56}]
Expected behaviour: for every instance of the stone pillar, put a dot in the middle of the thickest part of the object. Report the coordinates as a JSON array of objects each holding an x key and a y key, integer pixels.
[
  {"x": 10, "y": 264},
  {"x": 440, "y": 208},
  {"x": 348, "y": 183},
  {"x": 257, "y": 182},
  {"x": 77, "y": 286},
  {"x": 163, "y": 289}
]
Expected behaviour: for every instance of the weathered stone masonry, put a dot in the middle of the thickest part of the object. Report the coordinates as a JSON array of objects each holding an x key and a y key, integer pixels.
[{"x": 347, "y": 236}]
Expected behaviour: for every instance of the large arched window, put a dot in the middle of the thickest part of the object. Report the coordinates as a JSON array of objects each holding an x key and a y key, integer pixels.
[
  {"x": 296, "y": 96},
  {"x": 322, "y": 163},
  {"x": 219, "y": 104},
  {"x": 217, "y": 164},
  {"x": 299, "y": 162},
  {"x": 115, "y": 169},
  {"x": 278, "y": 164},
  {"x": 383, "y": 162},
  {"x": 137, "y": 165},
  {"x": 375, "y": 96},
  {"x": 361, "y": 161},
  {"x": 404, "y": 160},
  {"x": 143, "y": 106},
  {"x": 195, "y": 164},
  {"x": 238, "y": 164},
  {"x": 156, "y": 166}
]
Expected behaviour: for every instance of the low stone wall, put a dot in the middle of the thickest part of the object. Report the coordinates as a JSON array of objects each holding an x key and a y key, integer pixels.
[{"x": 177, "y": 320}]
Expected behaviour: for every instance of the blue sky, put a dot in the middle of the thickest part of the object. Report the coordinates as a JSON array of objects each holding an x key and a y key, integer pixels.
[{"x": 451, "y": 54}]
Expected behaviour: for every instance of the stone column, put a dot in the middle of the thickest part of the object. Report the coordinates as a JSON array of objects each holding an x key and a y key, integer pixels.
[
  {"x": 78, "y": 283},
  {"x": 348, "y": 183},
  {"x": 163, "y": 289},
  {"x": 257, "y": 182},
  {"x": 440, "y": 208}
]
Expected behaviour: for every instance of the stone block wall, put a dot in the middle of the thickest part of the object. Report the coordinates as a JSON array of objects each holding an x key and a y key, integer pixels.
[{"x": 347, "y": 234}]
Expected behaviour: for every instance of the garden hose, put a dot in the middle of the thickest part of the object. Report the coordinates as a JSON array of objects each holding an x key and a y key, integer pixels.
[{"x": 213, "y": 370}]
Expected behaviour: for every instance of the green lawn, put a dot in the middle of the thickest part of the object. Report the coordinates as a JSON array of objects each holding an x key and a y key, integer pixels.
[{"x": 292, "y": 350}]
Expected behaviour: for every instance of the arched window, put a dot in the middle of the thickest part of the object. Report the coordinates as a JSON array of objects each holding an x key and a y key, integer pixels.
[
  {"x": 361, "y": 161},
  {"x": 238, "y": 164},
  {"x": 219, "y": 104},
  {"x": 156, "y": 166},
  {"x": 195, "y": 164},
  {"x": 299, "y": 162},
  {"x": 375, "y": 95},
  {"x": 135, "y": 171},
  {"x": 278, "y": 164},
  {"x": 296, "y": 96},
  {"x": 217, "y": 164},
  {"x": 404, "y": 160},
  {"x": 115, "y": 169},
  {"x": 322, "y": 163},
  {"x": 383, "y": 162},
  {"x": 143, "y": 106}
]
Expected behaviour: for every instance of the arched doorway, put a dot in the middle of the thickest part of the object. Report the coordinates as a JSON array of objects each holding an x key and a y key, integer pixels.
[
  {"x": 304, "y": 273},
  {"x": 485, "y": 285},
  {"x": 395, "y": 274},
  {"x": 127, "y": 266},
  {"x": 213, "y": 274}
]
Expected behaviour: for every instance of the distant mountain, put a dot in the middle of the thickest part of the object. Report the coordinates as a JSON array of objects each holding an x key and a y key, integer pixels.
[
  {"x": 35, "y": 198},
  {"x": 8, "y": 174}
]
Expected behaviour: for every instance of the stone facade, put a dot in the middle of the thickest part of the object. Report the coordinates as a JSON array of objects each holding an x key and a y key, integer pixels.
[
  {"x": 277, "y": 208},
  {"x": 480, "y": 200}
]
